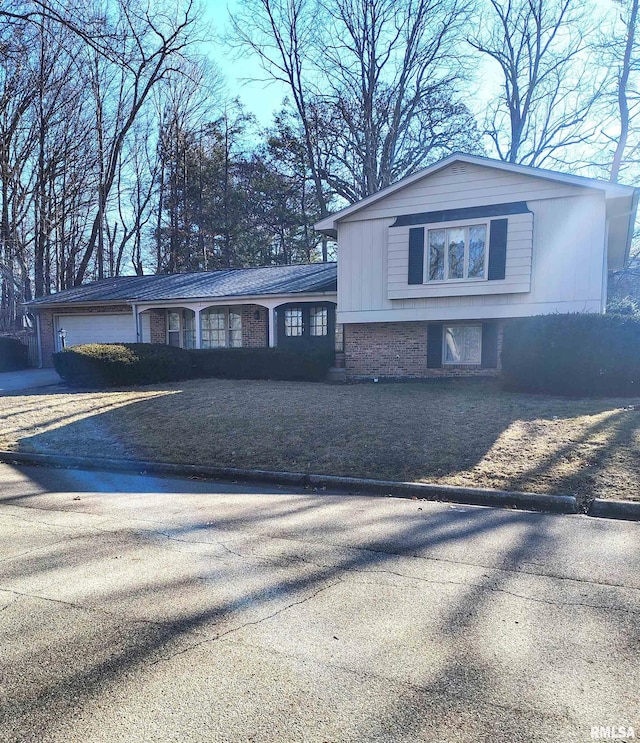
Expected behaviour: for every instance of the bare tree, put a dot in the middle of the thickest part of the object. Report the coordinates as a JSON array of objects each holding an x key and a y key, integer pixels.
[
  {"x": 542, "y": 109},
  {"x": 150, "y": 44},
  {"x": 619, "y": 52},
  {"x": 373, "y": 83},
  {"x": 283, "y": 33},
  {"x": 393, "y": 70}
]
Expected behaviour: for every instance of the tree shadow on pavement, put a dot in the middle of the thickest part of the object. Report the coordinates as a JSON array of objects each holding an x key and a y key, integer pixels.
[{"x": 119, "y": 588}]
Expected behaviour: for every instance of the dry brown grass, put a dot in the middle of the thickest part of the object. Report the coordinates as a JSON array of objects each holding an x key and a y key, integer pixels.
[{"x": 457, "y": 433}]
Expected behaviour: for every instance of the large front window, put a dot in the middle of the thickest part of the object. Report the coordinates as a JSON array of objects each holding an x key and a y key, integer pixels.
[
  {"x": 455, "y": 253},
  {"x": 221, "y": 327},
  {"x": 463, "y": 344}
]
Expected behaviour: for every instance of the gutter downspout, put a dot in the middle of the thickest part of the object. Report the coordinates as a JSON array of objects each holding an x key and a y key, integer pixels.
[
  {"x": 37, "y": 314},
  {"x": 136, "y": 321}
]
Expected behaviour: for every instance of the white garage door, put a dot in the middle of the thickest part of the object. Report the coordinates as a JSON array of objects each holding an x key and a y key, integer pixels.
[{"x": 96, "y": 328}]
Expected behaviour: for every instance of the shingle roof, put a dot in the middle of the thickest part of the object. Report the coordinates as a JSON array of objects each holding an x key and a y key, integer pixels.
[{"x": 314, "y": 277}]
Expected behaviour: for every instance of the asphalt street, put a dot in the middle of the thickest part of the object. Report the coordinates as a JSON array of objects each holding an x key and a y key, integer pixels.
[{"x": 141, "y": 609}]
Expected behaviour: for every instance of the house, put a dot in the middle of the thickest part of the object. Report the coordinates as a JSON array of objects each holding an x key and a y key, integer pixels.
[
  {"x": 286, "y": 306},
  {"x": 429, "y": 270}
]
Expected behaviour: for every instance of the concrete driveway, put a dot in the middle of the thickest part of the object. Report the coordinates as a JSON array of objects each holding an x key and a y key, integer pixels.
[
  {"x": 26, "y": 379},
  {"x": 141, "y": 609}
]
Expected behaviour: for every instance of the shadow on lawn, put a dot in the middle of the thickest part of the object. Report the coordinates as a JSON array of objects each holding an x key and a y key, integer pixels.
[
  {"x": 297, "y": 550},
  {"x": 402, "y": 432}
]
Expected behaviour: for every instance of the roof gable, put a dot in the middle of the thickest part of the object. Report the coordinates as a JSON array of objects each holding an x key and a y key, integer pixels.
[{"x": 328, "y": 225}]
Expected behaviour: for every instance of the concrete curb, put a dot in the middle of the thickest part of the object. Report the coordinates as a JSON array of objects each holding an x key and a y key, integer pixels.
[
  {"x": 614, "y": 509},
  {"x": 450, "y": 493}
]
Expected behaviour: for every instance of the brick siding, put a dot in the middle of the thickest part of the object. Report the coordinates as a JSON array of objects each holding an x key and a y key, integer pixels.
[
  {"x": 255, "y": 330},
  {"x": 158, "y": 326},
  {"x": 400, "y": 350}
]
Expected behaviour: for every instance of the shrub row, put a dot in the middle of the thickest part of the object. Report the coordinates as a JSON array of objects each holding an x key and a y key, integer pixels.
[
  {"x": 573, "y": 355},
  {"x": 121, "y": 364},
  {"x": 262, "y": 363},
  {"x": 13, "y": 354},
  {"x": 115, "y": 365}
]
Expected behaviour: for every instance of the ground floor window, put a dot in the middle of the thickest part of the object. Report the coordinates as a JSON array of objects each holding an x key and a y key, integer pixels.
[
  {"x": 295, "y": 326},
  {"x": 293, "y": 322},
  {"x": 339, "y": 337},
  {"x": 462, "y": 344},
  {"x": 181, "y": 328},
  {"x": 319, "y": 321},
  {"x": 221, "y": 327},
  {"x": 306, "y": 325}
]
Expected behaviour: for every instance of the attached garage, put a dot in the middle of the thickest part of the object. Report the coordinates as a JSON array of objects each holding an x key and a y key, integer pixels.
[{"x": 96, "y": 327}]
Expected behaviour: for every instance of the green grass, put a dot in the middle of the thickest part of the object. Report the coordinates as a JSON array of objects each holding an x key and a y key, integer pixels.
[{"x": 460, "y": 433}]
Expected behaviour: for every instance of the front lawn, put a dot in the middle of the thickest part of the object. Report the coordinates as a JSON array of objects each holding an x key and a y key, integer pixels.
[{"x": 459, "y": 433}]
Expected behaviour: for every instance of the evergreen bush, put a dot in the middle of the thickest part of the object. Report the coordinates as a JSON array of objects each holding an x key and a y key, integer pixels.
[
  {"x": 262, "y": 363},
  {"x": 122, "y": 364},
  {"x": 13, "y": 354},
  {"x": 573, "y": 355}
]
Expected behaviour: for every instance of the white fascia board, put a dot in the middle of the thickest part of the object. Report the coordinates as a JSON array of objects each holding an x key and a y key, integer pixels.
[
  {"x": 262, "y": 299},
  {"x": 612, "y": 190},
  {"x": 77, "y": 305},
  {"x": 228, "y": 300},
  {"x": 621, "y": 218}
]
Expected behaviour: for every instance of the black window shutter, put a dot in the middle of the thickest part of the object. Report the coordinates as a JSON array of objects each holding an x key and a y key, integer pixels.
[
  {"x": 416, "y": 255},
  {"x": 489, "y": 345},
  {"x": 497, "y": 249},
  {"x": 434, "y": 345}
]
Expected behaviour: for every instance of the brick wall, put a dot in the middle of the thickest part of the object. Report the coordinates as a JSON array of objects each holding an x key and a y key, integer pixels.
[
  {"x": 47, "y": 326},
  {"x": 158, "y": 326},
  {"x": 400, "y": 350},
  {"x": 255, "y": 333}
]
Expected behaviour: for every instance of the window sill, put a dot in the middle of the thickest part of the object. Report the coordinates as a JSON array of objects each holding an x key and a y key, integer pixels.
[
  {"x": 449, "y": 282},
  {"x": 471, "y": 365}
]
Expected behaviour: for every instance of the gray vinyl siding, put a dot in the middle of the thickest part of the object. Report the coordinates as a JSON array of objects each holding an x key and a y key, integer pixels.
[{"x": 554, "y": 259}]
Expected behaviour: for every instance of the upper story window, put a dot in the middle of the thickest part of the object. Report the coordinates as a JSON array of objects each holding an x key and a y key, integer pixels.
[
  {"x": 461, "y": 246},
  {"x": 456, "y": 253}
]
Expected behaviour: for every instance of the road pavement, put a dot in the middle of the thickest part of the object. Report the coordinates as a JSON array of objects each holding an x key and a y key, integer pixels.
[{"x": 142, "y": 609}]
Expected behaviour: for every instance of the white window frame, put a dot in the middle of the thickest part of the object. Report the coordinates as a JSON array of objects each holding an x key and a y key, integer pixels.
[
  {"x": 445, "y": 328},
  {"x": 324, "y": 311},
  {"x": 460, "y": 224},
  {"x": 182, "y": 331},
  {"x": 227, "y": 327},
  {"x": 301, "y": 326}
]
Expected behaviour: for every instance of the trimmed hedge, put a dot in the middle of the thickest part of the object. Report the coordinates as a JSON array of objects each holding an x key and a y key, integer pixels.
[
  {"x": 574, "y": 355},
  {"x": 262, "y": 363},
  {"x": 121, "y": 364},
  {"x": 13, "y": 354},
  {"x": 126, "y": 364}
]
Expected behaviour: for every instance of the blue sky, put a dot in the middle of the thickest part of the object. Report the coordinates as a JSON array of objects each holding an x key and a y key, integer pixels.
[{"x": 260, "y": 98}]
